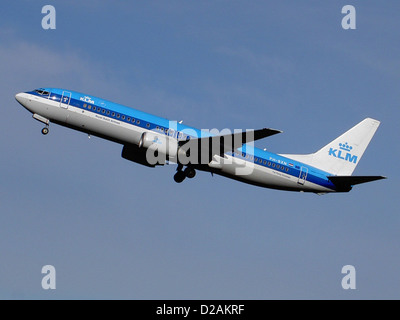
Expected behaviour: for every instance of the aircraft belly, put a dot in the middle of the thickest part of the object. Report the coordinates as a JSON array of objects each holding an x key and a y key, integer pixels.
[{"x": 255, "y": 174}]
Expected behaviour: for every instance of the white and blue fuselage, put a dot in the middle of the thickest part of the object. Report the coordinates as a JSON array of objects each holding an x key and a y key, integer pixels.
[{"x": 127, "y": 126}]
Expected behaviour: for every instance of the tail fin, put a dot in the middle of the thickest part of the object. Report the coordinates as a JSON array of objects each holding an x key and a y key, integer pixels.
[{"x": 341, "y": 156}]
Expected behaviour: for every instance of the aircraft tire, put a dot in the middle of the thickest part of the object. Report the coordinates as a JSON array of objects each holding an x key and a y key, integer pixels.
[
  {"x": 179, "y": 176},
  {"x": 190, "y": 172}
]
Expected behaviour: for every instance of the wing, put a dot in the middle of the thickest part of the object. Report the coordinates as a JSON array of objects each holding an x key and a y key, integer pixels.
[{"x": 218, "y": 145}]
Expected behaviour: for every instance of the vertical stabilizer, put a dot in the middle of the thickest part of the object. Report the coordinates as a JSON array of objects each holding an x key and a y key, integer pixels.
[{"x": 342, "y": 155}]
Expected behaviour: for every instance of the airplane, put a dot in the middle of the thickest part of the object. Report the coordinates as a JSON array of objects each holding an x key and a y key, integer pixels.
[{"x": 153, "y": 141}]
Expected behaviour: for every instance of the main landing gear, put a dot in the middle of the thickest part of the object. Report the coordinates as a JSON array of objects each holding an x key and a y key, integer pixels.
[{"x": 180, "y": 174}]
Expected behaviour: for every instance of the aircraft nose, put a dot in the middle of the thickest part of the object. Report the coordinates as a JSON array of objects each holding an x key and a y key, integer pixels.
[
  {"x": 22, "y": 98},
  {"x": 19, "y": 97}
]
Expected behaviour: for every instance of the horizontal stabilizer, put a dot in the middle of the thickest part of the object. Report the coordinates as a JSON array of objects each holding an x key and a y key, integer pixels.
[{"x": 345, "y": 183}]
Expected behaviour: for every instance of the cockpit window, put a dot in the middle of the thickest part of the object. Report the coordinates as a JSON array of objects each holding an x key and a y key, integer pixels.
[{"x": 42, "y": 92}]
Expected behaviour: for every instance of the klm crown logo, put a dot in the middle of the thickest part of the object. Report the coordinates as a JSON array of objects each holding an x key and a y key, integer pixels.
[
  {"x": 345, "y": 147},
  {"x": 344, "y": 153},
  {"x": 86, "y": 99}
]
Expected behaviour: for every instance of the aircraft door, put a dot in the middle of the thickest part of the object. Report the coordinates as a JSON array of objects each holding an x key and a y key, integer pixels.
[
  {"x": 302, "y": 175},
  {"x": 65, "y": 99}
]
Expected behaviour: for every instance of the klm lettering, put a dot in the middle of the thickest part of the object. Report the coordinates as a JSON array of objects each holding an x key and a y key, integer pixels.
[{"x": 340, "y": 154}]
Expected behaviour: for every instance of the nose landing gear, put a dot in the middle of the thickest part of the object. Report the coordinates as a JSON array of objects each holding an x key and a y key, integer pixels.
[
  {"x": 44, "y": 120},
  {"x": 45, "y": 130}
]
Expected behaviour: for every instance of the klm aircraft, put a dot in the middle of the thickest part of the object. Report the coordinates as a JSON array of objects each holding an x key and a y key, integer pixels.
[{"x": 153, "y": 141}]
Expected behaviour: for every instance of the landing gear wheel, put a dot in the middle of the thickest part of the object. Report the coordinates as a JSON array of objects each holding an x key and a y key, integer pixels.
[
  {"x": 45, "y": 131},
  {"x": 190, "y": 172},
  {"x": 179, "y": 176}
]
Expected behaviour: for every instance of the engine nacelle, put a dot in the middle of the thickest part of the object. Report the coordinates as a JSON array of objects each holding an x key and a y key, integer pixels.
[
  {"x": 136, "y": 154},
  {"x": 158, "y": 148}
]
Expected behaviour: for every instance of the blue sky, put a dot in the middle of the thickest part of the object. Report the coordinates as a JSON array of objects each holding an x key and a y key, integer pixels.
[{"x": 116, "y": 230}]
